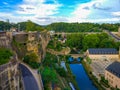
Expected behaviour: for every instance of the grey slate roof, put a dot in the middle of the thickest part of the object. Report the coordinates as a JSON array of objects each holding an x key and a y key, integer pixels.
[
  {"x": 103, "y": 51},
  {"x": 114, "y": 68}
]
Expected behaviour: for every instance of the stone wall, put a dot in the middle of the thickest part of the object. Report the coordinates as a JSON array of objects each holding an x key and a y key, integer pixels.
[
  {"x": 10, "y": 77},
  {"x": 113, "y": 80},
  {"x": 4, "y": 40},
  {"x": 31, "y": 42}
]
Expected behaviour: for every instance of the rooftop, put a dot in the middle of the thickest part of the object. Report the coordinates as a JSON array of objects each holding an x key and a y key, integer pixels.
[
  {"x": 114, "y": 68},
  {"x": 102, "y": 51}
]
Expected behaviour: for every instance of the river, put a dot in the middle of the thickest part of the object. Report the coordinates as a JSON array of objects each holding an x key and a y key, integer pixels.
[{"x": 82, "y": 78}]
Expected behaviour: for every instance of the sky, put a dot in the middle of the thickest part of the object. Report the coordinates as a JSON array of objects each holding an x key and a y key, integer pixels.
[{"x": 45, "y": 12}]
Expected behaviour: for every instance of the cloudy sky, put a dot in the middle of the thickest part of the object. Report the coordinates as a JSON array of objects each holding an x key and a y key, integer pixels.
[{"x": 48, "y": 11}]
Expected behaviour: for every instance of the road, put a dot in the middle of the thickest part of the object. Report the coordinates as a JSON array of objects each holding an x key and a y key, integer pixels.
[
  {"x": 28, "y": 79},
  {"x": 67, "y": 33},
  {"x": 114, "y": 36}
]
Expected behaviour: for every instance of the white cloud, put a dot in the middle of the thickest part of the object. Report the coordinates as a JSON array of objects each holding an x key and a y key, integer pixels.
[
  {"x": 13, "y": 18},
  {"x": 39, "y": 20},
  {"x": 51, "y": 19},
  {"x": 38, "y": 8},
  {"x": 97, "y": 11},
  {"x": 5, "y": 3},
  {"x": 42, "y": 13},
  {"x": 116, "y": 13},
  {"x": 32, "y": 10},
  {"x": 82, "y": 11},
  {"x": 106, "y": 20},
  {"x": 34, "y": 1}
]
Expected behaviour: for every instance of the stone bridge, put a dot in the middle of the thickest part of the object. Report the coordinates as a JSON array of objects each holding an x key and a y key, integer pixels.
[
  {"x": 76, "y": 55},
  {"x": 65, "y": 53}
]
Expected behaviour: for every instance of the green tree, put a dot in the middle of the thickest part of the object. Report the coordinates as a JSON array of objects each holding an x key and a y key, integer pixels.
[
  {"x": 61, "y": 72},
  {"x": 49, "y": 59},
  {"x": 30, "y": 26},
  {"x": 49, "y": 75},
  {"x": 75, "y": 40},
  {"x": 32, "y": 57},
  {"x": 5, "y": 55},
  {"x": 82, "y": 27},
  {"x": 39, "y": 28},
  {"x": 103, "y": 36},
  {"x": 74, "y": 27},
  {"x": 107, "y": 43},
  {"x": 32, "y": 60},
  {"x": 90, "y": 41}
]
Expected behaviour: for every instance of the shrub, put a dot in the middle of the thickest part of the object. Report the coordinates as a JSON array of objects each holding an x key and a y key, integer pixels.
[{"x": 5, "y": 55}]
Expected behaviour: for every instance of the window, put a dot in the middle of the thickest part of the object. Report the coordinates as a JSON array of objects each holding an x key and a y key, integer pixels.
[
  {"x": 112, "y": 77},
  {"x": 111, "y": 81},
  {"x": 109, "y": 75}
]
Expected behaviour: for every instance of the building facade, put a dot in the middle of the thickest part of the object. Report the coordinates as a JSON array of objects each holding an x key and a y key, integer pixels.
[
  {"x": 102, "y": 54},
  {"x": 112, "y": 74}
]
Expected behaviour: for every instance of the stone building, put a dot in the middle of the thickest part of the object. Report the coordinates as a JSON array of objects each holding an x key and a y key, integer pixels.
[
  {"x": 112, "y": 74},
  {"x": 102, "y": 54}
]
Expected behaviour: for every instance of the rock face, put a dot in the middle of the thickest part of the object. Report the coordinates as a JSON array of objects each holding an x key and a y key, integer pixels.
[
  {"x": 10, "y": 77},
  {"x": 44, "y": 40},
  {"x": 22, "y": 43},
  {"x": 27, "y": 42},
  {"x": 4, "y": 39}
]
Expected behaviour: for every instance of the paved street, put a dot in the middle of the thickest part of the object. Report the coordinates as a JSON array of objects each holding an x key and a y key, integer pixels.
[
  {"x": 28, "y": 79},
  {"x": 99, "y": 66},
  {"x": 113, "y": 35}
]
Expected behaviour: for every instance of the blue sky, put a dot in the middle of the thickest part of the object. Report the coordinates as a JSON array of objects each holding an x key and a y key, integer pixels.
[{"x": 49, "y": 11}]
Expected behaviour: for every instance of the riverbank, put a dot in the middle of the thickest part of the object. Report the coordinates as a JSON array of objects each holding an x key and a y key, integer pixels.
[
  {"x": 82, "y": 78},
  {"x": 71, "y": 77},
  {"x": 57, "y": 76},
  {"x": 91, "y": 76}
]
